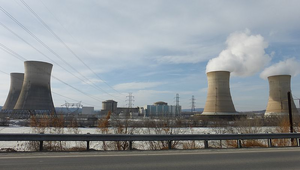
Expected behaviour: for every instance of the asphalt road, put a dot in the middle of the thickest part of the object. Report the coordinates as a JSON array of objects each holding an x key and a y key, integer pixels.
[{"x": 231, "y": 159}]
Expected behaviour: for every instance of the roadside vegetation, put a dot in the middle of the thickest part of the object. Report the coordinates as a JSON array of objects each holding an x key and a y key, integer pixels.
[{"x": 110, "y": 124}]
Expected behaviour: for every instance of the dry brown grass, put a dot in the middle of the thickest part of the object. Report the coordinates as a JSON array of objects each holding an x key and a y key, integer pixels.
[
  {"x": 43, "y": 124},
  {"x": 231, "y": 143},
  {"x": 51, "y": 124},
  {"x": 253, "y": 143},
  {"x": 284, "y": 127},
  {"x": 103, "y": 128},
  {"x": 191, "y": 145}
]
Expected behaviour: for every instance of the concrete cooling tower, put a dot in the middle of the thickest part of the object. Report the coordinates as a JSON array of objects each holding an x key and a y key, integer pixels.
[
  {"x": 16, "y": 82},
  {"x": 35, "y": 95},
  {"x": 218, "y": 101},
  {"x": 279, "y": 86}
]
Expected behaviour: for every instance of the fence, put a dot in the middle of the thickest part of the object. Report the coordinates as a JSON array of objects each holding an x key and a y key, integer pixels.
[{"x": 130, "y": 138}]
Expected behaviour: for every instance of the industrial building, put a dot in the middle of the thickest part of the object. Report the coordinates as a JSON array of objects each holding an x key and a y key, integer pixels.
[
  {"x": 160, "y": 108},
  {"x": 155, "y": 110},
  {"x": 279, "y": 86},
  {"x": 112, "y": 106},
  {"x": 87, "y": 110},
  {"x": 109, "y": 105},
  {"x": 219, "y": 101}
]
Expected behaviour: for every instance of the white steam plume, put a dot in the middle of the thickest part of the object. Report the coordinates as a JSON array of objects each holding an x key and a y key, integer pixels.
[
  {"x": 244, "y": 55},
  {"x": 287, "y": 67}
]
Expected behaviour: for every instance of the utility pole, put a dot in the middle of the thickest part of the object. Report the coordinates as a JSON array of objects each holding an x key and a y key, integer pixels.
[
  {"x": 290, "y": 115},
  {"x": 290, "y": 112},
  {"x": 193, "y": 104}
]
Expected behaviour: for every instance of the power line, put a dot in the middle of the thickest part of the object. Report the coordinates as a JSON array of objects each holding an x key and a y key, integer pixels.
[
  {"x": 14, "y": 54},
  {"x": 47, "y": 47},
  {"x": 9, "y": 51},
  {"x": 71, "y": 98},
  {"x": 295, "y": 97},
  {"x": 59, "y": 39},
  {"x": 44, "y": 55},
  {"x": 4, "y": 72}
]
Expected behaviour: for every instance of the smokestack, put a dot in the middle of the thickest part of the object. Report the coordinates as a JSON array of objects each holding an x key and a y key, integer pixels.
[
  {"x": 279, "y": 85},
  {"x": 218, "y": 101},
  {"x": 16, "y": 82},
  {"x": 36, "y": 95}
]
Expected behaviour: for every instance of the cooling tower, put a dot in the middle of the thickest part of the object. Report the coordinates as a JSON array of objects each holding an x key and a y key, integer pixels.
[
  {"x": 278, "y": 101},
  {"x": 16, "y": 82},
  {"x": 36, "y": 95},
  {"x": 218, "y": 101}
]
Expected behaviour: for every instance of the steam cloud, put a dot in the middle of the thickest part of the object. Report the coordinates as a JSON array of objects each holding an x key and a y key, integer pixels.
[
  {"x": 287, "y": 67},
  {"x": 244, "y": 55}
]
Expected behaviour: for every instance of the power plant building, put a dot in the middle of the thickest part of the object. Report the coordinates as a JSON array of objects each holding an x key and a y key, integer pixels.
[
  {"x": 16, "y": 82},
  {"x": 219, "y": 101},
  {"x": 109, "y": 105},
  {"x": 35, "y": 96},
  {"x": 112, "y": 106},
  {"x": 279, "y": 86},
  {"x": 87, "y": 110},
  {"x": 159, "y": 109}
]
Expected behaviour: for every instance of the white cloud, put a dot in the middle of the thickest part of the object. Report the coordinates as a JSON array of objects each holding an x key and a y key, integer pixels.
[
  {"x": 93, "y": 81},
  {"x": 137, "y": 85}
]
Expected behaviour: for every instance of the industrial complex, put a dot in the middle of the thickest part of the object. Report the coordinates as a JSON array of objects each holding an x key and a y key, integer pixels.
[{"x": 30, "y": 94}]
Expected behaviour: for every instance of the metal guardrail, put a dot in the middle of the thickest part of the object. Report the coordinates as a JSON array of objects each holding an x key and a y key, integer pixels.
[{"x": 131, "y": 138}]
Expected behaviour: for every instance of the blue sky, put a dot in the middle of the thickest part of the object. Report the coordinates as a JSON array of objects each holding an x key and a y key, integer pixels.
[{"x": 153, "y": 49}]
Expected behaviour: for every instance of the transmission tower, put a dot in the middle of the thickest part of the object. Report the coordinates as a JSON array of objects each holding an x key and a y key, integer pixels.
[
  {"x": 130, "y": 100},
  {"x": 296, "y": 98},
  {"x": 177, "y": 105},
  {"x": 193, "y": 104},
  {"x": 72, "y": 107}
]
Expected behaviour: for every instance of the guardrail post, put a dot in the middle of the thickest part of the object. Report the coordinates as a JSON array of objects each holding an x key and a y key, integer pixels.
[
  {"x": 206, "y": 144},
  {"x": 239, "y": 143},
  {"x": 88, "y": 144},
  {"x": 130, "y": 145},
  {"x": 170, "y": 144},
  {"x": 41, "y": 145},
  {"x": 269, "y": 143}
]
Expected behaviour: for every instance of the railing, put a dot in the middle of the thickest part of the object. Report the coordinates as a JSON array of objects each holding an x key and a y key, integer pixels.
[{"x": 130, "y": 138}]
